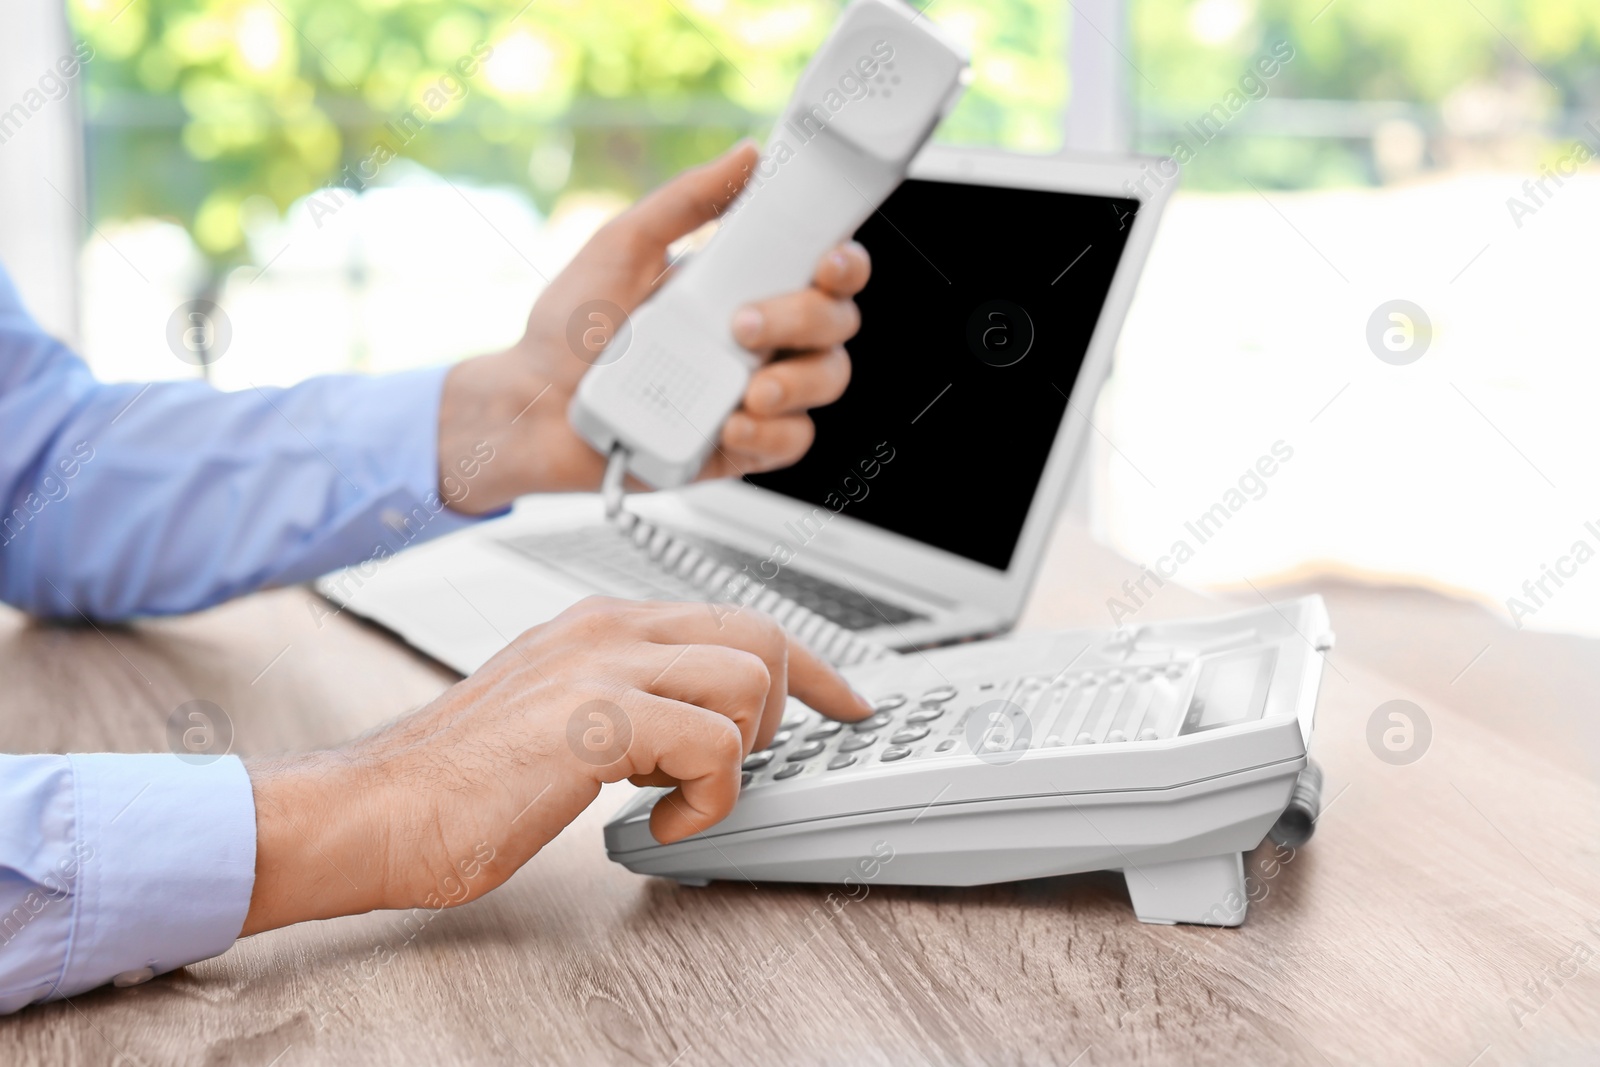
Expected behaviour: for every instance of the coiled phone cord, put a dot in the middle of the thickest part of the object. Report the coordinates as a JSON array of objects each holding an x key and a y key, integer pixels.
[
  {"x": 1299, "y": 820},
  {"x": 724, "y": 584}
]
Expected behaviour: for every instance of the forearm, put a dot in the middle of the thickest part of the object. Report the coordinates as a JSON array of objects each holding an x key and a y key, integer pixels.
[
  {"x": 321, "y": 839},
  {"x": 193, "y": 496}
]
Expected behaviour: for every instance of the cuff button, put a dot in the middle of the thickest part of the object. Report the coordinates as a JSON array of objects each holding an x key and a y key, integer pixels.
[{"x": 132, "y": 978}]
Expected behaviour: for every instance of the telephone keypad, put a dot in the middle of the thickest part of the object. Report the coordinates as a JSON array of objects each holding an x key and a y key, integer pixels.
[{"x": 1094, "y": 706}]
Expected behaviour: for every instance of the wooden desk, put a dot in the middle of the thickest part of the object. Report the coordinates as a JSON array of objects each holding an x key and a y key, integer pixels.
[{"x": 1431, "y": 894}]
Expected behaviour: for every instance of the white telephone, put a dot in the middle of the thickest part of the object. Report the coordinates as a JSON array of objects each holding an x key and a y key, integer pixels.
[
  {"x": 1164, "y": 751},
  {"x": 657, "y": 397}
]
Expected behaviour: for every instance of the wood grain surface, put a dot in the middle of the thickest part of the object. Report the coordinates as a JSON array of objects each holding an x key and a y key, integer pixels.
[{"x": 1447, "y": 911}]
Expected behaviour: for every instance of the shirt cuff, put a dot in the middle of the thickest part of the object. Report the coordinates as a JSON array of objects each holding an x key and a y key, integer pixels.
[
  {"x": 167, "y": 852},
  {"x": 398, "y": 405}
]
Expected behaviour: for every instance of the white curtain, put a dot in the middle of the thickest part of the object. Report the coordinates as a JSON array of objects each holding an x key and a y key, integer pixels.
[{"x": 41, "y": 227}]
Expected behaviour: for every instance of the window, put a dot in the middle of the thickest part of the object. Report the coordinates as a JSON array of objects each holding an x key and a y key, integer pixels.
[
  {"x": 1375, "y": 262},
  {"x": 371, "y": 186}
]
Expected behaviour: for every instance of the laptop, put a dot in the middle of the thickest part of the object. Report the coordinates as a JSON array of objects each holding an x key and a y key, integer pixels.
[{"x": 920, "y": 515}]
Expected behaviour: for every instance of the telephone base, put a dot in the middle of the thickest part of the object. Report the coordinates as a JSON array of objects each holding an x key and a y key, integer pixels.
[{"x": 1209, "y": 890}]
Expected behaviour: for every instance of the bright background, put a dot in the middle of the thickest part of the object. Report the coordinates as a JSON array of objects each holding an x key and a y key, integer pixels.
[{"x": 1378, "y": 167}]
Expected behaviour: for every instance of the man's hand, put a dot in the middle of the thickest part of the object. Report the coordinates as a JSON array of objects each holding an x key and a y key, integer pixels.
[
  {"x": 442, "y": 806},
  {"x": 516, "y": 400}
]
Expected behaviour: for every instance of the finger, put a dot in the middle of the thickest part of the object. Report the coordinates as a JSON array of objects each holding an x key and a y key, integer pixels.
[
  {"x": 799, "y": 383},
  {"x": 754, "y": 445},
  {"x": 807, "y": 319},
  {"x": 701, "y": 750},
  {"x": 724, "y": 623},
  {"x": 844, "y": 271},
  {"x": 728, "y": 681},
  {"x": 724, "y": 463},
  {"x": 694, "y": 197},
  {"x": 818, "y": 684},
  {"x": 814, "y": 682}
]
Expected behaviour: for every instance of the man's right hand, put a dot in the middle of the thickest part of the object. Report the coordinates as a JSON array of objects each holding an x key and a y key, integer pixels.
[{"x": 444, "y": 805}]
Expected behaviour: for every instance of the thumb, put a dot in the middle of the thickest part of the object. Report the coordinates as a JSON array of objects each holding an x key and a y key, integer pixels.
[{"x": 694, "y": 197}]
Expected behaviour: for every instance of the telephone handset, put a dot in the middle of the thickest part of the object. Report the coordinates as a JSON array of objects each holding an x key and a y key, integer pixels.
[{"x": 865, "y": 104}]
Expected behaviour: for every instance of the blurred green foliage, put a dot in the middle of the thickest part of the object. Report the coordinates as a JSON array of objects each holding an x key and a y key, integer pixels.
[
  {"x": 1418, "y": 50},
  {"x": 208, "y": 110},
  {"x": 204, "y": 110},
  {"x": 1539, "y": 58}
]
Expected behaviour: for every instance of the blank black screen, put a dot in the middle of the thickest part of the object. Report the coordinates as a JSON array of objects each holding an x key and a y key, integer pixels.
[{"x": 961, "y": 276}]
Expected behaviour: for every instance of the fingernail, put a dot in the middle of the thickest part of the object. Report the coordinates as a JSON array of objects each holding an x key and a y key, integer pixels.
[
  {"x": 747, "y": 326},
  {"x": 766, "y": 394},
  {"x": 866, "y": 705},
  {"x": 739, "y": 428},
  {"x": 840, "y": 263}
]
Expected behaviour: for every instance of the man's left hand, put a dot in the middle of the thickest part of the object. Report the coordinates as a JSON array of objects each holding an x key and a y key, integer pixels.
[{"x": 516, "y": 401}]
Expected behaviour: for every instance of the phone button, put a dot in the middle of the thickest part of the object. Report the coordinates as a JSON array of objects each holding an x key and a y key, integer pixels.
[
  {"x": 788, "y": 772},
  {"x": 894, "y": 752},
  {"x": 804, "y": 752},
  {"x": 838, "y": 763},
  {"x": 757, "y": 760},
  {"x": 859, "y": 741}
]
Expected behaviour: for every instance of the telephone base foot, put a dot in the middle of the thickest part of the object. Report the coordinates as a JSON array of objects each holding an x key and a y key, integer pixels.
[{"x": 1209, "y": 890}]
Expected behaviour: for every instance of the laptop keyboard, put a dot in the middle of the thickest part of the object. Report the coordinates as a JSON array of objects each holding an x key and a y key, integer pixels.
[{"x": 598, "y": 556}]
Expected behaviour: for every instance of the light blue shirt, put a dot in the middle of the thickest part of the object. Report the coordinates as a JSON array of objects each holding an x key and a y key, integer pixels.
[{"x": 134, "y": 499}]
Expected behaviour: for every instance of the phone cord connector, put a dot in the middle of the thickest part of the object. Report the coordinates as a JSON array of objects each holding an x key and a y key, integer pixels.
[{"x": 612, "y": 489}]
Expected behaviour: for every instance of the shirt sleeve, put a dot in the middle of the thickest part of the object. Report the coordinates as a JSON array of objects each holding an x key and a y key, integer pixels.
[
  {"x": 118, "y": 868},
  {"x": 124, "y": 499}
]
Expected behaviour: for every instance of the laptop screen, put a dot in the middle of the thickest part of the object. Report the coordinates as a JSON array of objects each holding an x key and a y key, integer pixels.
[{"x": 981, "y": 306}]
